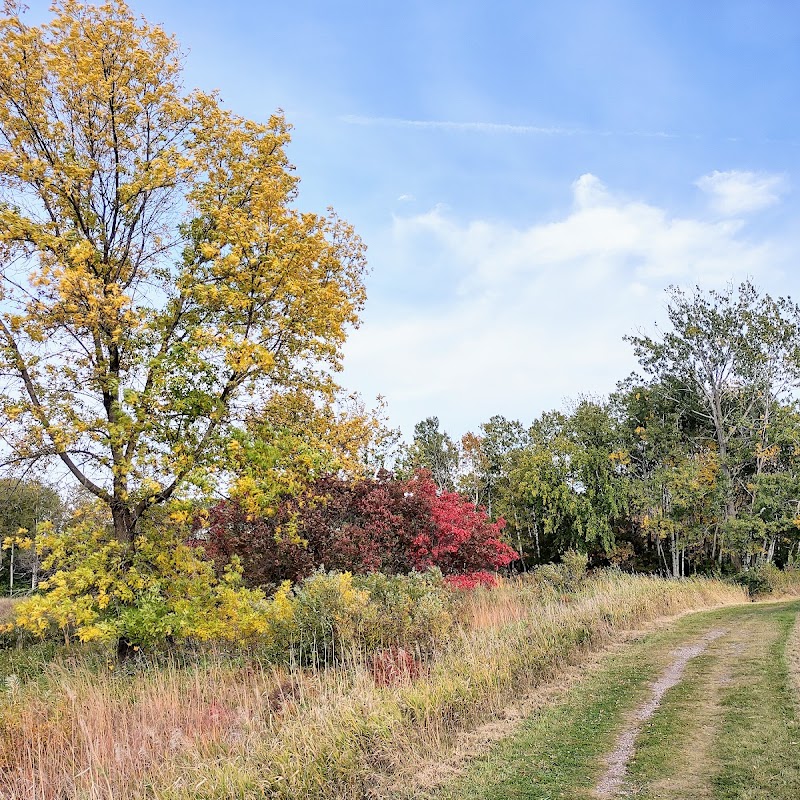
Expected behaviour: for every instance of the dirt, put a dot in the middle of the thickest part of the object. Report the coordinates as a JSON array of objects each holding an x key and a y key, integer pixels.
[
  {"x": 617, "y": 761},
  {"x": 694, "y": 764},
  {"x": 692, "y": 760}
]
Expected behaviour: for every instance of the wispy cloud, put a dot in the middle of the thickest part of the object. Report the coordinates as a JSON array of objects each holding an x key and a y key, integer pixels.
[
  {"x": 513, "y": 319},
  {"x": 741, "y": 192},
  {"x": 497, "y": 127}
]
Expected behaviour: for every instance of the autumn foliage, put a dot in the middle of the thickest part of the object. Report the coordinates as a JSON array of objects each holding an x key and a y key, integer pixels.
[{"x": 362, "y": 526}]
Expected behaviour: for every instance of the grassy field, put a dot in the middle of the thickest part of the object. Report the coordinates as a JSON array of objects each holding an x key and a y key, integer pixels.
[
  {"x": 728, "y": 730},
  {"x": 76, "y": 726}
]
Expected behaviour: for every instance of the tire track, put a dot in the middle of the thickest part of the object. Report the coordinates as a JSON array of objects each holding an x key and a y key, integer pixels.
[{"x": 617, "y": 761}]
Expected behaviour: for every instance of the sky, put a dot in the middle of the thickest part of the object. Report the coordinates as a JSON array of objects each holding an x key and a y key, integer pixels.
[{"x": 529, "y": 177}]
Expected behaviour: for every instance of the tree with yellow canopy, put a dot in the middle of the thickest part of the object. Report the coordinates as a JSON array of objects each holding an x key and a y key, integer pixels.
[{"x": 155, "y": 269}]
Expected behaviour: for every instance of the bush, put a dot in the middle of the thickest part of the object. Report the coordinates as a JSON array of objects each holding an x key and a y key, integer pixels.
[
  {"x": 161, "y": 590},
  {"x": 564, "y": 577},
  {"x": 472, "y": 580},
  {"x": 363, "y": 526},
  {"x": 464, "y": 539},
  {"x": 330, "y": 615},
  {"x": 761, "y": 580},
  {"x": 335, "y": 614},
  {"x": 412, "y": 610}
]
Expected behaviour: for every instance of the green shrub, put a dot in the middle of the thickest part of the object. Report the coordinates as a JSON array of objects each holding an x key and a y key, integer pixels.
[
  {"x": 336, "y": 613},
  {"x": 330, "y": 615},
  {"x": 414, "y": 609},
  {"x": 564, "y": 577},
  {"x": 759, "y": 580}
]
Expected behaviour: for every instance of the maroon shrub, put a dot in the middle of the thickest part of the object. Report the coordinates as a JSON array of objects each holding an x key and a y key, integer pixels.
[
  {"x": 361, "y": 526},
  {"x": 268, "y": 554}
]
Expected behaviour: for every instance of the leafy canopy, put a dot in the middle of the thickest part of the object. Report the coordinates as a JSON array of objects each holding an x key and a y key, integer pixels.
[{"x": 155, "y": 268}]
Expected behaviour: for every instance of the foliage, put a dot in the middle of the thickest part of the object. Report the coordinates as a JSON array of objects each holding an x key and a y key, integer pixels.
[
  {"x": 268, "y": 556},
  {"x": 463, "y": 538},
  {"x": 487, "y": 458},
  {"x": 24, "y": 506},
  {"x": 413, "y": 610},
  {"x": 564, "y": 577},
  {"x": 472, "y": 580},
  {"x": 168, "y": 590},
  {"x": 568, "y": 486},
  {"x": 126, "y": 336},
  {"x": 337, "y": 614},
  {"x": 360, "y": 526},
  {"x": 330, "y": 615},
  {"x": 733, "y": 356},
  {"x": 757, "y": 581},
  {"x": 297, "y": 437}
]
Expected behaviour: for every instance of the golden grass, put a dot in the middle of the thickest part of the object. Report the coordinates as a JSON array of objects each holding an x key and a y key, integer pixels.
[
  {"x": 225, "y": 731},
  {"x": 6, "y": 608},
  {"x": 785, "y": 583}
]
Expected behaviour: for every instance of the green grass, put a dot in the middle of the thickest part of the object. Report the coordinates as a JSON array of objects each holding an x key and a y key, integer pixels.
[
  {"x": 759, "y": 746},
  {"x": 753, "y": 750},
  {"x": 550, "y": 756}
]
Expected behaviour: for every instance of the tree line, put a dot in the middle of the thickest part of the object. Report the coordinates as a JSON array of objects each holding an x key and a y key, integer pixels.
[{"x": 690, "y": 465}]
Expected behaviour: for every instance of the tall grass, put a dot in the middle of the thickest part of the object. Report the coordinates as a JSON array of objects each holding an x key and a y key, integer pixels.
[
  {"x": 6, "y": 608},
  {"x": 226, "y": 729}
]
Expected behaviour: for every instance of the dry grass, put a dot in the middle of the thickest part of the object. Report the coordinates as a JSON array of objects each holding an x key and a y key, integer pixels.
[
  {"x": 249, "y": 731},
  {"x": 6, "y": 608},
  {"x": 785, "y": 583}
]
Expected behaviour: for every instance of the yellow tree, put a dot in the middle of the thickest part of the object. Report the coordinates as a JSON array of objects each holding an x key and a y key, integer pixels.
[
  {"x": 296, "y": 437},
  {"x": 155, "y": 269}
]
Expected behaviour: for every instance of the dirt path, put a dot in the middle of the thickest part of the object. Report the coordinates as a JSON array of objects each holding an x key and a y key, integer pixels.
[
  {"x": 617, "y": 761},
  {"x": 707, "y": 708},
  {"x": 793, "y": 659},
  {"x": 693, "y": 757},
  {"x": 472, "y": 743}
]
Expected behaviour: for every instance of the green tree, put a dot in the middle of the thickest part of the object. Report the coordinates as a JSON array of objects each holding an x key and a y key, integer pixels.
[
  {"x": 732, "y": 356},
  {"x": 155, "y": 268},
  {"x": 24, "y": 506},
  {"x": 568, "y": 486},
  {"x": 491, "y": 453},
  {"x": 433, "y": 450}
]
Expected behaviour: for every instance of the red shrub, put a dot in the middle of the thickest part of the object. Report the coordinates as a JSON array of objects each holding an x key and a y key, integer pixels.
[
  {"x": 464, "y": 539},
  {"x": 380, "y": 525},
  {"x": 472, "y": 580}
]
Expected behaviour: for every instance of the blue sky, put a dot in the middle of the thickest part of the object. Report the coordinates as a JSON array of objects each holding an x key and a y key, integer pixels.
[{"x": 528, "y": 176}]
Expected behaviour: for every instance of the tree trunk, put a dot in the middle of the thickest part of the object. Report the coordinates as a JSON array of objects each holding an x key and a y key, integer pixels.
[
  {"x": 771, "y": 551},
  {"x": 673, "y": 543},
  {"x": 124, "y": 522}
]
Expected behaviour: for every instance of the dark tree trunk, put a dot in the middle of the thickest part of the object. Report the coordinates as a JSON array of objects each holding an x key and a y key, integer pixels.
[{"x": 124, "y": 522}]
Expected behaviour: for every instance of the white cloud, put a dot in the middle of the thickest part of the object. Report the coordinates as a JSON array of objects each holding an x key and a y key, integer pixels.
[
  {"x": 513, "y": 320},
  {"x": 740, "y": 192}
]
